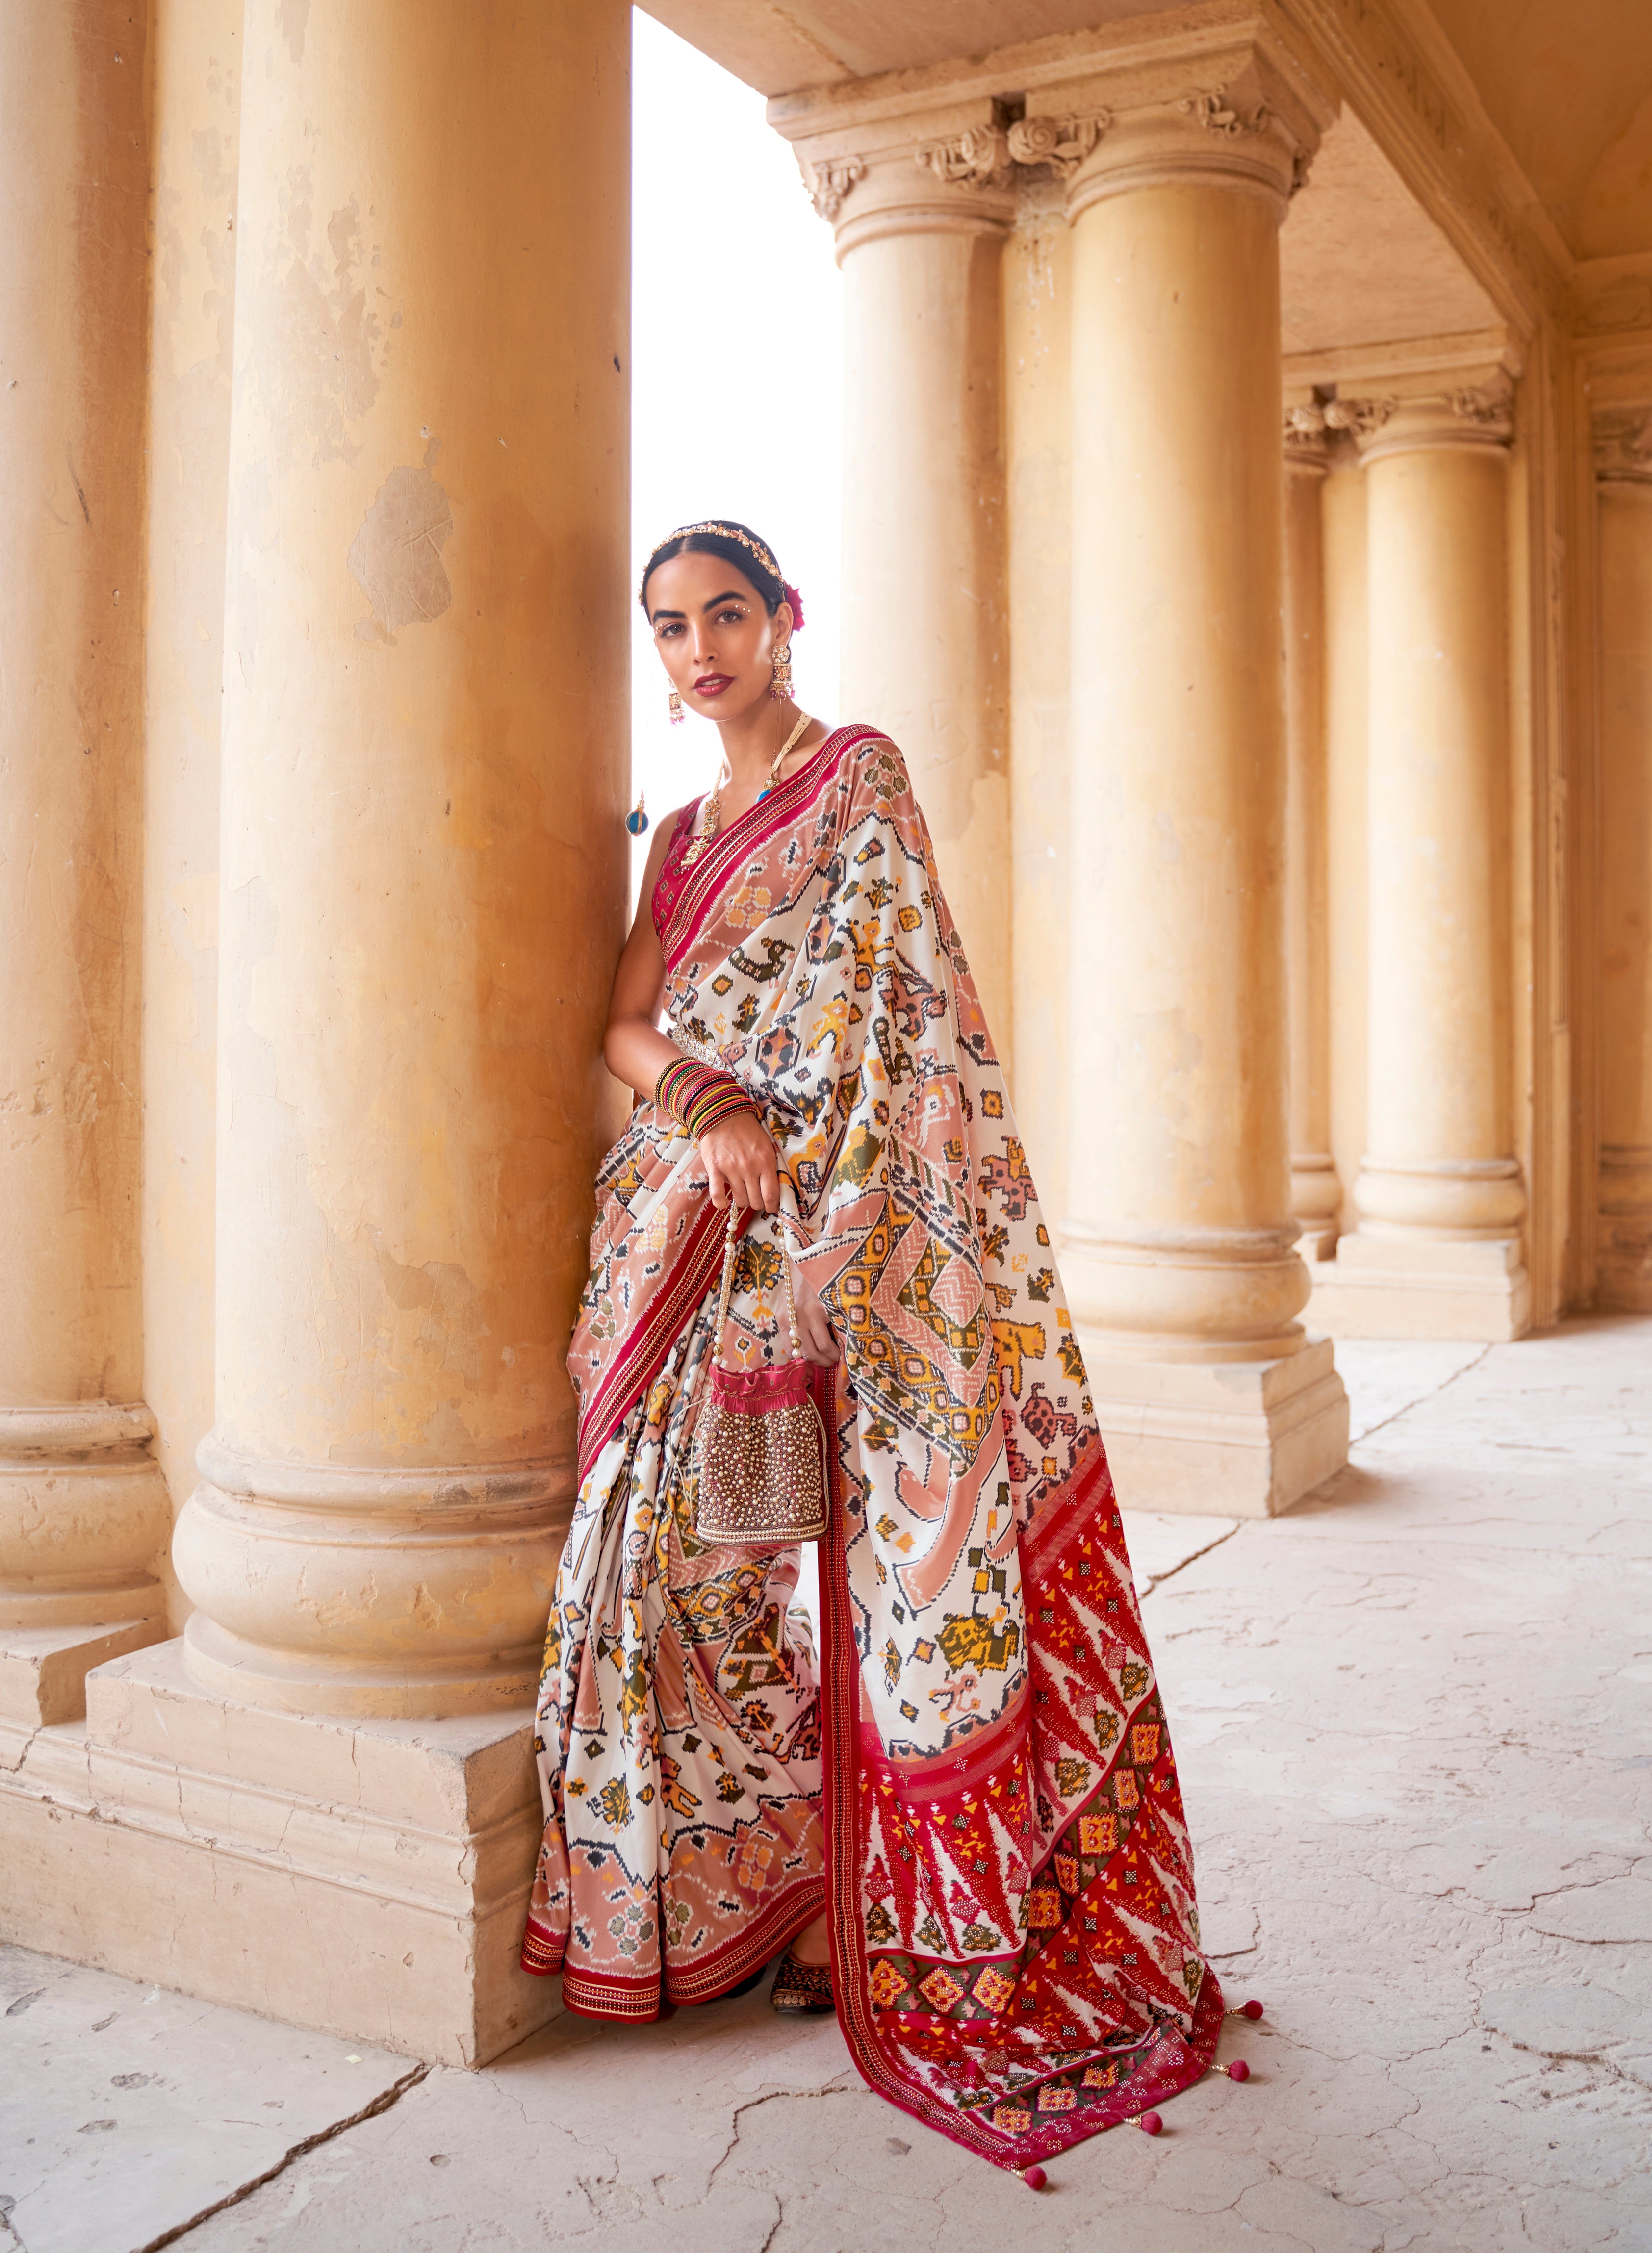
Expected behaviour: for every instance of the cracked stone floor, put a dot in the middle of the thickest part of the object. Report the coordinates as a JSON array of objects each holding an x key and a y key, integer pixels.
[{"x": 1411, "y": 1723}]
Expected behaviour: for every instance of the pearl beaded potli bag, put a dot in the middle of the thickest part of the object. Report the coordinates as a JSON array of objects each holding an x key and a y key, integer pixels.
[{"x": 759, "y": 1445}]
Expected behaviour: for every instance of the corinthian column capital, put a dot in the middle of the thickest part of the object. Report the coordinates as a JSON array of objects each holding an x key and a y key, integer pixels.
[
  {"x": 1239, "y": 112},
  {"x": 1623, "y": 443},
  {"x": 1451, "y": 409},
  {"x": 936, "y": 169}
]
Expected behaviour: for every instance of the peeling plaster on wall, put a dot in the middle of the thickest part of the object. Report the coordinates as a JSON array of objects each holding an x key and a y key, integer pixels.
[
  {"x": 293, "y": 18},
  {"x": 333, "y": 336},
  {"x": 397, "y": 554}
]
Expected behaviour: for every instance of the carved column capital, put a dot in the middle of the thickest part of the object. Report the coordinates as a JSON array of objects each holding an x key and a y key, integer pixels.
[
  {"x": 1241, "y": 115},
  {"x": 829, "y": 182},
  {"x": 1473, "y": 410},
  {"x": 1308, "y": 438},
  {"x": 1623, "y": 444},
  {"x": 935, "y": 170},
  {"x": 952, "y": 149}
]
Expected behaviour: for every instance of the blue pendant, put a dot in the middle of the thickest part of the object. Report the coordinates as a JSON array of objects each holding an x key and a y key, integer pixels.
[{"x": 637, "y": 821}]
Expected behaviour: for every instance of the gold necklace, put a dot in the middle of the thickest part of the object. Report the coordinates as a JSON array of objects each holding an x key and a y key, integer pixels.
[{"x": 711, "y": 811}]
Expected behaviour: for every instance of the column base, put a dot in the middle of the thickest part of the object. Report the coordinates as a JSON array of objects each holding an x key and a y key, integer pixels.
[
  {"x": 1623, "y": 1253},
  {"x": 1382, "y": 1287},
  {"x": 366, "y": 1877},
  {"x": 1234, "y": 1439},
  {"x": 43, "y": 1670}
]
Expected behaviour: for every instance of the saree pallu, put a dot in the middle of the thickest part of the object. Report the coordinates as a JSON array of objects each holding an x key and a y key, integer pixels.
[{"x": 984, "y": 1782}]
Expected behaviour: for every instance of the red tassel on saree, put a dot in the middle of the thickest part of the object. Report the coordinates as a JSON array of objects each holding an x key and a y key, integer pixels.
[{"x": 984, "y": 1780}]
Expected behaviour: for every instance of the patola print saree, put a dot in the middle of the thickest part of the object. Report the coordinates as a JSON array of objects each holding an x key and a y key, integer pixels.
[{"x": 977, "y": 1779}]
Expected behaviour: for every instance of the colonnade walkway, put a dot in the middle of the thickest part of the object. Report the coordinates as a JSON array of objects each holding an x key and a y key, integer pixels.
[{"x": 1411, "y": 1720}]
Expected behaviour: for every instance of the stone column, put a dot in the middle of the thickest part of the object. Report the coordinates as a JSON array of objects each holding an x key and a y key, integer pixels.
[
  {"x": 83, "y": 1509},
  {"x": 423, "y": 876},
  {"x": 920, "y": 208},
  {"x": 1315, "y": 1191},
  {"x": 1438, "y": 1249},
  {"x": 1623, "y": 463},
  {"x": 1347, "y": 720},
  {"x": 196, "y": 79},
  {"x": 1178, "y": 1250},
  {"x": 1038, "y": 431}
]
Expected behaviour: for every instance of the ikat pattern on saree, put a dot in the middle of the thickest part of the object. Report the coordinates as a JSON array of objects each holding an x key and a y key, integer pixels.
[{"x": 1015, "y": 1940}]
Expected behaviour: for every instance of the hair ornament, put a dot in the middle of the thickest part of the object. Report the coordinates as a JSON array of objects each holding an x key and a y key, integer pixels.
[
  {"x": 796, "y": 601},
  {"x": 724, "y": 532}
]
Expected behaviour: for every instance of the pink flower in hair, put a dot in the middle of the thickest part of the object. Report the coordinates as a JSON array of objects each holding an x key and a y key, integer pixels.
[{"x": 796, "y": 601}]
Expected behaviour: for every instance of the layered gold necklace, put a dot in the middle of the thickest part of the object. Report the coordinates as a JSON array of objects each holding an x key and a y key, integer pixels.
[{"x": 711, "y": 811}]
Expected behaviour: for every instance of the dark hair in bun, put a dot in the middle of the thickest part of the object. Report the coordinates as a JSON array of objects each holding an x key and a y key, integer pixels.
[{"x": 737, "y": 544}]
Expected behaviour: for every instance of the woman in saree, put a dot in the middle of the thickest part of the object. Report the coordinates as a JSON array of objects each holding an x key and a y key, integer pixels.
[{"x": 962, "y": 1826}]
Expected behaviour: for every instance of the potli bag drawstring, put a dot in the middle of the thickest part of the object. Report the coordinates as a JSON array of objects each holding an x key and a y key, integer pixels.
[{"x": 759, "y": 1454}]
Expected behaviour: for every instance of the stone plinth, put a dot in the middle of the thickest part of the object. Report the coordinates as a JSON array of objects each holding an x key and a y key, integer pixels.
[{"x": 366, "y": 1876}]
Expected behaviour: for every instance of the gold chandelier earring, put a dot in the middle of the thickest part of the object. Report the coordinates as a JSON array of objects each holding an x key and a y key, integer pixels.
[
  {"x": 780, "y": 674},
  {"x": 675, "y": 705}
]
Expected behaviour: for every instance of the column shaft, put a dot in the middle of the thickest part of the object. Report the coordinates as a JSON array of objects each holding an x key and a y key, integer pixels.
[
  {"x": 1038, "y": 420},
  {"x": 1624, "y": 1256},
  {"x": 1181, "y": 1233},
  {"x": 83, "y": 1509},
  {"x": 1177, "y": 1252},
  {"x": 197, "y": 118},
  {"x": 1347, "y": 719},
  {"x": 1437, "y": 1252},
  {"x": 424, "y": 875},
  {"x": 1315, "y": 1191},
  {"x": 1439, "y": 1161},
  {"x": 924, "y": 651}
]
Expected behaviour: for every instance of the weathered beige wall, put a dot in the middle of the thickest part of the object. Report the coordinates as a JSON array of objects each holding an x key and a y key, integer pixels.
[
  {"x": 196, "y": 107},
  {"x": 83, "y": 1508},
  {"x": 924, "y": 652},
  {"x": 1347, "y": 691},
  {"x": 1625, "y": 1235},
  {"x": 1037, "y": 401},
  {"x": 424, "y": 859}
]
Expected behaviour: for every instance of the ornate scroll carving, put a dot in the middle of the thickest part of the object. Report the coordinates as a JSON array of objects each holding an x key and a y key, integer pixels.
[
  {"x": 1623, "y": 443},
  {"x": 1063, "y": 144},
  {"x": 828, "y": 184},
  {"x": 974, "y": 159},
  {"x": 1361, "y": 417},
  {"x": 1217, "y": 115},
  {"x": 1305, "y": 429},
  {"x": 1482, "y": 403}
]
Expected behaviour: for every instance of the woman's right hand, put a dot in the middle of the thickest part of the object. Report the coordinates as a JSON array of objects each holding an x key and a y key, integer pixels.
[{"x": 741, "y": 1162}]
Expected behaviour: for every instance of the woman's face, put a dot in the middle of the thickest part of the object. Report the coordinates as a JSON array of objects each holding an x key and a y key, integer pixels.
[{"x": 714, "y": 638}]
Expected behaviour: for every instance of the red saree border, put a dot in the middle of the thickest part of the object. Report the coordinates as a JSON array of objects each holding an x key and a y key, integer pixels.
[
  {"x": 841, "y": 1725},
  {"x": 782, "y": 805},
  {"x": 643, "y": 1356},
  {"x": 600, "y": 1995}
]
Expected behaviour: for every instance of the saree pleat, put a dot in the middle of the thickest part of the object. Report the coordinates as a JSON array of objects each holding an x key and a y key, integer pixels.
[{"x": 980, "y": 1781}]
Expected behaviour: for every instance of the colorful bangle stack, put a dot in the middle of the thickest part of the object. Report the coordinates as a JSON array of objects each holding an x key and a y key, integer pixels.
[{"x": 698, "y": 1097}]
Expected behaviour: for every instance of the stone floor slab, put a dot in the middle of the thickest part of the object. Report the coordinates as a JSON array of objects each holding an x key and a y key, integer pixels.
[
  {"x": 1409, "y": 1718},
  {"x": 125, "y": 2111}
]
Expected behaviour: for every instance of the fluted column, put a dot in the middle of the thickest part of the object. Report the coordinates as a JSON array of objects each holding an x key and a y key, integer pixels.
[
  {"x": 1439, "y": 1192},
  {"x": 1315, "y": 1191},
  {"x": 83, "y": 1509},
  {"x": 1623, "y": 467},
  {"x": 1178, "y": 1250},
  {"x": 920, "y": 208},
  {"x": 423, "y": 871}
]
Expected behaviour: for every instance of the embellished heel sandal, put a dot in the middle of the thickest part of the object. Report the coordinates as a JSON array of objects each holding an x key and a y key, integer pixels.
[{"x": 804, "y": 1988}]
